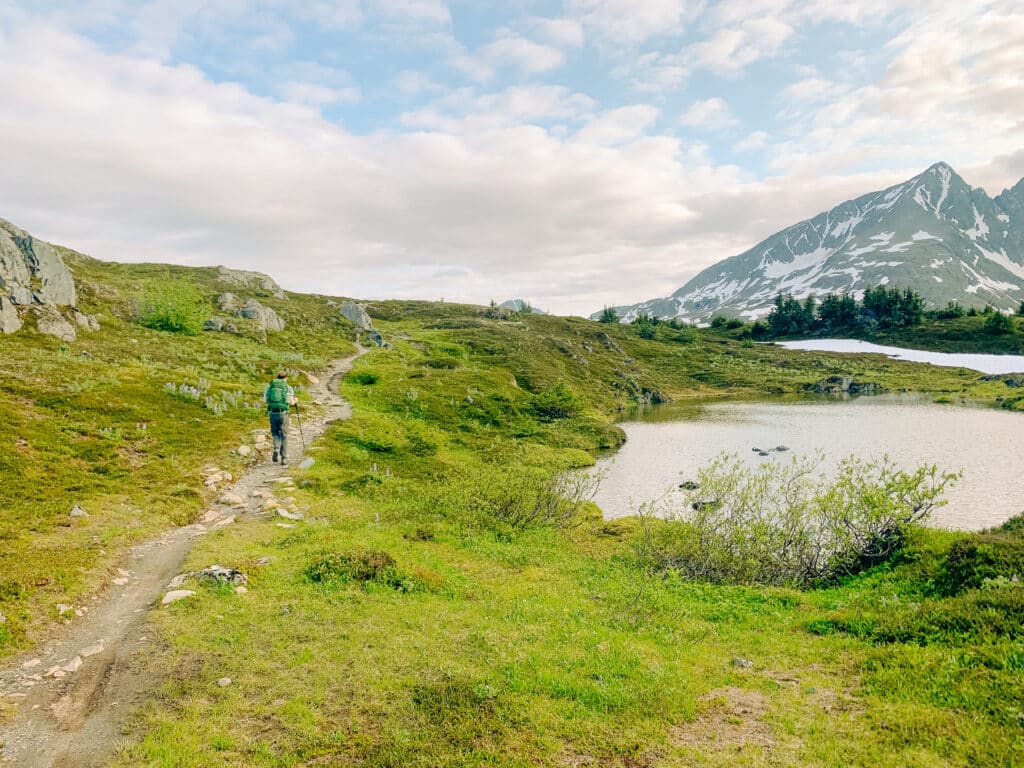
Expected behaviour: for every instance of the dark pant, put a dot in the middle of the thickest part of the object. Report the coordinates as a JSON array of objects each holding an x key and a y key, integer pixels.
[{"x": 279, "y": 431}]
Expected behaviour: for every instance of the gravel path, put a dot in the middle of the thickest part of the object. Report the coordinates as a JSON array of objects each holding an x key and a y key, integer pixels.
[{"x": 74, "y": 692}]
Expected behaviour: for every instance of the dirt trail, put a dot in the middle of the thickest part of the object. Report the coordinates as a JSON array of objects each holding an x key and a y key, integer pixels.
[{"x": 97, "y": 664}]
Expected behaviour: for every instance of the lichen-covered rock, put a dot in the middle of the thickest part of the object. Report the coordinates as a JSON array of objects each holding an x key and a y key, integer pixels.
[
  {"x": 88, "y": 322},
  {"x": 242, "y": 278},
  {"x": 31, "y": 271},
  {"x": 265, "y": 317},
  {"x": 227, "y": 302},
  {"x": 220, "y": 324},
  {"x": 356, "y": 315},
  {"x": 10, "y": 322},
  {"x": 52, "y": 323}
]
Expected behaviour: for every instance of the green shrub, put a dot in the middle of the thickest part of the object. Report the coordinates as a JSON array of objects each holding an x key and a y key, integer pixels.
[
  {"x": 734, "y": 323},
  {"x": 557, "y": 402},
  {"x": 175, "y": 306},
  {"x": 718, "y": 321},
  {"x": 784, "y": 524},
  {"x": 359, "y": 565},
  {"x": 997, "y": 323},
  {"x": 511, "y": 497},
  {"x": 363, "y": 377},
  {"x": 977, "y": 558},
  {"x": 982, "y": 614}
]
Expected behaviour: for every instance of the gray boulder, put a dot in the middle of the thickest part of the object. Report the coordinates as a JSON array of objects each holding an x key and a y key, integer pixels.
[
  {"x": 265, "y": 317},
  {"x": 242, "y": 278},
  {"x": 227, "y": 302},
  {"x": 220, "y": 324},
  {"x": 31, "y": 271},
  {"x": 846, "y": 385},
  {"x": 9, "y": 320},
  {"x": 356, "y": 315},
  {"x": 87, "y": 322},
  {"x": 373, "y": 337},
  {"x": 52, "y": 323}
]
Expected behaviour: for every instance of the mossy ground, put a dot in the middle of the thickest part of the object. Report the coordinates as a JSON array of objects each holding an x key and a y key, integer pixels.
[
  {"x": 498, "y": 644},
  {"x": 93, "y": 423},
  {"x": 491, "y": 642}
]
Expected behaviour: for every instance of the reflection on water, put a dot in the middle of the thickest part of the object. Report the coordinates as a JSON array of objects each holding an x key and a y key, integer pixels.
[{"x": 667, "y": 445}]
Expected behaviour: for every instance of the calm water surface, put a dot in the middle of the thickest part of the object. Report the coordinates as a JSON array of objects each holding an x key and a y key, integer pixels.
[{"x": 667, "y": 444}]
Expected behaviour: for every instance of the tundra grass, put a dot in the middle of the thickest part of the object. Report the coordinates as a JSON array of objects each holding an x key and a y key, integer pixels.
[
  {"x": 503, "y": 645},
  {"x": 120, "y": 422}
]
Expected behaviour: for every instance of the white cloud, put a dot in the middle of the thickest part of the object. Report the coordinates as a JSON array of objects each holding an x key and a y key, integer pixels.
[
  {"x": 711, "y": 114},
  {"x": 564, "y": 33},
  {"x": 526, "y": 54},
  {"x": 616, "y": 126},
  {"x": 752, "y": 142},
  {"x": 434, "y": 11},
  {"x": 628, "y": 21}
]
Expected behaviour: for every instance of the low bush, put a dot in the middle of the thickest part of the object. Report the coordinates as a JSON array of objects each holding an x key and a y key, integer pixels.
[
  {"x": 785, "y": 524},
  {"x": 363, "y": 377},
  {"x": 510, "y": 498},
  {"x": 992, "y": 613},
  {"x": 359, "y": 565},
  {"x": 557, "y": 402},
  {"x": 979, "y": 558},
  {"x": 175, "y": 306}
]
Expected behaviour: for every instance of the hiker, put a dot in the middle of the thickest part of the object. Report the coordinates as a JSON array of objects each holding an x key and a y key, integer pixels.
[{"x": 279, "y": 397}]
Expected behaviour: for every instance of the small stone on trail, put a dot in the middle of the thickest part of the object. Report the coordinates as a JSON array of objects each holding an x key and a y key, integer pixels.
[
  {"x": 92, "y": 650},
  {"x": 55, "y": 672},
  {"x": 77, "y": 511},
  {"x": 123, "y": 572},
  {"x": 243, "y": 450},
  {"x": 74, "y": 665},
  {"x": 175, "y": 595},
  {"x": 741, "y": 663},
  {"x": 222, "y": 523},
  {"x": 32, "y": 664},
  {"x": 232, "y": 500},
  {"x": 120, "y": 582},
  {"x": 224, "y": 682},
  {"x": 289, "y": 515}
]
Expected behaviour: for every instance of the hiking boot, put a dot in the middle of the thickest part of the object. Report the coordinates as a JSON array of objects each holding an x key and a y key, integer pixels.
[{"x": 275, "y": 455}]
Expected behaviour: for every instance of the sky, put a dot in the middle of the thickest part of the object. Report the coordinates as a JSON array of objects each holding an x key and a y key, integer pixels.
[{"x": 576, "y": 154}]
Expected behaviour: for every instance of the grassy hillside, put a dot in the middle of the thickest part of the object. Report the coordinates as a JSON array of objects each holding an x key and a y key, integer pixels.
[
  {"x": 95, "y": 423},
  {"x": 439, "y": 606}
]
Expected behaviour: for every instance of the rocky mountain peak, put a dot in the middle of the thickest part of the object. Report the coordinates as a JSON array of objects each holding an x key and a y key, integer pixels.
[{"x": 933, "y": 233}]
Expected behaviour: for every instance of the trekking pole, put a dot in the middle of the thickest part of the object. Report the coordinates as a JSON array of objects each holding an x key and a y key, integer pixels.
[{"x": 299, "y": 420}]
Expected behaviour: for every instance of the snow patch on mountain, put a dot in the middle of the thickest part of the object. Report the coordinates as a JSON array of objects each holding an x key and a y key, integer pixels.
[{"x": 924, "y": 220}]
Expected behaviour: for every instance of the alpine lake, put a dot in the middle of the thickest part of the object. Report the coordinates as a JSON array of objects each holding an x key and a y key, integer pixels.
[{"x": 667, "y": 444}]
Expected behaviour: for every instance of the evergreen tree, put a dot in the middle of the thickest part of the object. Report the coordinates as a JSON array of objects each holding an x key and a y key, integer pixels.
[{"x": 608, "y": 315}]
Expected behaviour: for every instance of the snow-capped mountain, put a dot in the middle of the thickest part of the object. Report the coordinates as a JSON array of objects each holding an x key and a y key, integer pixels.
[{"x": 933, "y": 233}]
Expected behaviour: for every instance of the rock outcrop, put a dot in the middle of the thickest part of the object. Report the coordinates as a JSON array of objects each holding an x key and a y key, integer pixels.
[
  {"x": 241, "y": 278},
  {"x": 846, "y": 385},
  {"x": 265, "y": 317},
  {"x": 52, "y": 323},
  {"x": 32, "y": 275},
  {"x": 356, "y": 315},
  {"x": 10, "y": 322},
  {"x": 31, "y": 272}
]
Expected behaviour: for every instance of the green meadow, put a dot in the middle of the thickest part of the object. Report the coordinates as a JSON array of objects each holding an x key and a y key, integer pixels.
[{"x": 440, "y": 604}]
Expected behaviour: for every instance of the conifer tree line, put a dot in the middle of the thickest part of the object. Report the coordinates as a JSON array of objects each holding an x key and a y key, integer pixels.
[{"x": 880, "y": 307}]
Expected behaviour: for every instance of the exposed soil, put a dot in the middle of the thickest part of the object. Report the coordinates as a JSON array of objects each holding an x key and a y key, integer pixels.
[{"x": 74, "y": 692}]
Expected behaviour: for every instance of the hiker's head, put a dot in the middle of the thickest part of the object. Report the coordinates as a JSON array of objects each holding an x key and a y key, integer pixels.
[{"x": 282, "y": 374}]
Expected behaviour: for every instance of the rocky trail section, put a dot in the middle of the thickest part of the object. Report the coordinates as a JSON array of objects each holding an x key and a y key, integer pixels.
[{"x": 73, "y": 693}]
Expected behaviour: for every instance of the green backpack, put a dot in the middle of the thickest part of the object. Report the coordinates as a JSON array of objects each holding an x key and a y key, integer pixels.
[{"x": 277, "y": 395}]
